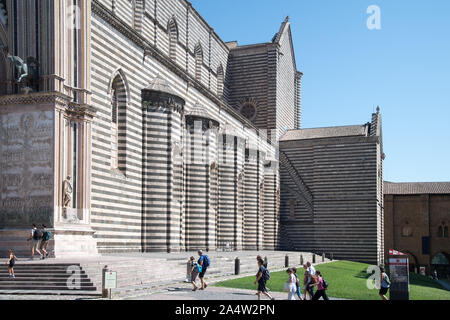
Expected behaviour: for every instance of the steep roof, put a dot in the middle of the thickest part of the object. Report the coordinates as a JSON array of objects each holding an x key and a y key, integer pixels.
[
  {"x": 405, "y": 188},
  {"x": 328, "y": 132}
]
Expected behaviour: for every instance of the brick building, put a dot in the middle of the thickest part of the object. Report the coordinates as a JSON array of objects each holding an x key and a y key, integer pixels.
[{"x": 417, "y": 221}]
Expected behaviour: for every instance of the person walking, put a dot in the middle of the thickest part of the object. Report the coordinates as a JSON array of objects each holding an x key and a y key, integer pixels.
[
  {"x": 11, "y": 262},
  {"x": 297, "y": 284},
  {"x": 264, "y": 261},
  {"x": 289, "y": 286},
  {"x": 261, "y": 278},
  {"x": 308, "y": 290},
  {"x": 35, "y": 237},
  {"x": 322, "y": 286},
  {"x": 312, "y": 279},
  {"x": 194, "y": 272},
  {"x": 46, "y": 235},
  {"x": 384, "y": 284},
  {"x": 204, "y": 262}
]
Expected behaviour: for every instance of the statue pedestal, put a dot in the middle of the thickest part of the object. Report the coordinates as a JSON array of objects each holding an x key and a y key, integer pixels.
[{"x": 72, "y": 240}]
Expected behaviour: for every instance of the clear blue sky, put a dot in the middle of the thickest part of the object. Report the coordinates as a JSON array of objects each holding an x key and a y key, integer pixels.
[{"x": 349, "y": 70}]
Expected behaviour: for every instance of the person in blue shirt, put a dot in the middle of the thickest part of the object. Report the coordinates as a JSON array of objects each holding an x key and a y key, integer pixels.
[{"x": 203, "y": 261}]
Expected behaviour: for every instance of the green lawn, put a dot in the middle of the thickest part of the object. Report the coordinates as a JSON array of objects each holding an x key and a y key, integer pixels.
[{"x": 348, "y": 280}]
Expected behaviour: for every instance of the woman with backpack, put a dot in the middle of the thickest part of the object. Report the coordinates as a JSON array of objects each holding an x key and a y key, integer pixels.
[
  {"x": 261, "y": 278},
  {"x": 290, "y": 285},
  {"x": 322, "y": 286},
  {"x": 384, "y": 284},
  {"x": 46, "y": 235},
  {"x": 194, "y": 272}
]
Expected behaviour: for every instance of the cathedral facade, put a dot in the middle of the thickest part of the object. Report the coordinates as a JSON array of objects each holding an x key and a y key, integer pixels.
[
  {"x": 127, "y": 133},
  {"x": 130, "y": 125}
]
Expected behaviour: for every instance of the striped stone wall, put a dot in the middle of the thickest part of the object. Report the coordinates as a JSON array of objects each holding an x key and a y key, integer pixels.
[
  {"x": 162, "y": 174},
  {"x": 253, "y": 199},
  {"x": 201, "y": 186},
  {"x": 270, "y": 203},
  {"x": 342, "y": 175},
  {"x": 230, "y": 215}
]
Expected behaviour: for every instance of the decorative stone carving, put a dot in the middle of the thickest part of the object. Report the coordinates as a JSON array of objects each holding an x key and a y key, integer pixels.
[
  {"x": 27, "y": 72},
  {"x": 67, "y": 192}
]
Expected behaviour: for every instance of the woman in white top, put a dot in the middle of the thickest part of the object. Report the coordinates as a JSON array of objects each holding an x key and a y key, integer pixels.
[{"x": 290, "y": 286}]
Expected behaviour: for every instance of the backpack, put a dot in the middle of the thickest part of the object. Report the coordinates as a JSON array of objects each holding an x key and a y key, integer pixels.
[
  {"x": 47, "y": 235},
  {"x": 37, "y": 234},
  {"x": 266, "y": 274},
  {"x": 386, "y": 279},
  {"x": 324, "y": 283},
  {"x": 206, "y": 261}
]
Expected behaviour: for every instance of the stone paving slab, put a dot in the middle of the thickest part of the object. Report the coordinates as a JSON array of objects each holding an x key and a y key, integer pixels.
[{"x": 184, "y": 292}]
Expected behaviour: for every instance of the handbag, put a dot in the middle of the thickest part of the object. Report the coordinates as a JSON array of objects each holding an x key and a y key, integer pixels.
[{"x": 199, "y": 268}]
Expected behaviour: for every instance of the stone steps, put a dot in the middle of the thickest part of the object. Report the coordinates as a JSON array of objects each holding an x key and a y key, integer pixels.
[{"x": 59, "y": 277}]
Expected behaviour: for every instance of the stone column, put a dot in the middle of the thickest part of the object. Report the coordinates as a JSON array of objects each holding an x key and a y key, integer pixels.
[
  {"x": 201, "y": 179},
  {"x": 162, "y": 176}
]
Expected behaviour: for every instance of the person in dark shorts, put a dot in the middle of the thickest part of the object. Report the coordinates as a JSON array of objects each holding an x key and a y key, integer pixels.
[
  {"x": 11, "y": 262},
  {"x": 203, "y": 261},
  {"x": 384, "y": 284},
  {"x": 261, "y": 280}
]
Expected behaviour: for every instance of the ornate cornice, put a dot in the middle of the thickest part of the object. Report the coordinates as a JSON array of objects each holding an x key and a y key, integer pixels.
[{"x": 56, "y": 98}]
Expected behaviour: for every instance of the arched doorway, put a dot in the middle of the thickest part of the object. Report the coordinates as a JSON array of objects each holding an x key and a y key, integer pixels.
[
  {"x": 413, "y": 263},
  {"x": 440, "y": 263}
]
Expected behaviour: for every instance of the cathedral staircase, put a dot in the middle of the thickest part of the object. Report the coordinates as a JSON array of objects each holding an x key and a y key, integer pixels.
[
  {"x": 302, "y": 191},
  {"x": 47, "y": 279}
]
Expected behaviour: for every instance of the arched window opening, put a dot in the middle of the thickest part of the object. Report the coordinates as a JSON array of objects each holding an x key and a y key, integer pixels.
[
  {"x": 198, "y": 52},
  {"x": 406, "y": 230},
  {"x": 173, "y": 38},
  {"x": 220, "y": 81},
  {"x": 443, "y": 231},
  {"x": 138, "y": 7},
  {"x": 118, "y": 95}
]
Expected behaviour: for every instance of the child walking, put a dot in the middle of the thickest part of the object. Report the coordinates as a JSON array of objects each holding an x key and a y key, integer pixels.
[{"x": 11, "y": 262}]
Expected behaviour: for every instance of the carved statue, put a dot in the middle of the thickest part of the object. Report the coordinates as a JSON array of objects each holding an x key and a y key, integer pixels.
[
  {"x": 27, "y": 72},
  {"x": 67, "y": 192},
  {"x": 21, "y": 67}
]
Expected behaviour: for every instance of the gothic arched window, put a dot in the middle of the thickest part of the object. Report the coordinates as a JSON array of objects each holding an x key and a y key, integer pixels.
[
  {"x": 138, "y": 7},
  {"x": 118, "y": 95},
  {"x": 198, "y": 53},
  {"x": 173, "y": 38},
  {"x": 220, "y": 81},
  {"x": 443, "y": 231},
  {"x": 406, "y": 230}
]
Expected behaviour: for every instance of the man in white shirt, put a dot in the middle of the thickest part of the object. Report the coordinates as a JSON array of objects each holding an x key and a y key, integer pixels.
[
  {"x": 311, "y": 273},
  {"x": 311, "y": 269}
]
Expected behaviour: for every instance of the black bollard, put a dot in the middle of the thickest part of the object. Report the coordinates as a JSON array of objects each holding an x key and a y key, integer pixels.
[
  {"x": 237, "y": 266},
  {"x": 266, "y": 262},
  {"x": 301, "y": 260},
  {"x": 286, "y": 261},
  {"x": 331, "y": 256},
  {"x": 314, "y": 258},
  {"x": 323, "y": 256}
]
